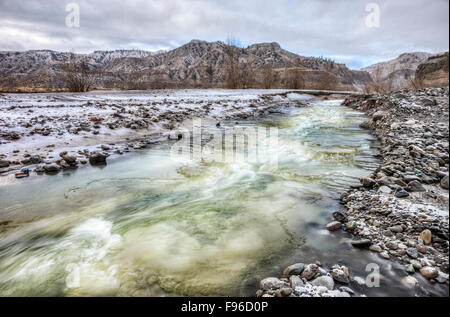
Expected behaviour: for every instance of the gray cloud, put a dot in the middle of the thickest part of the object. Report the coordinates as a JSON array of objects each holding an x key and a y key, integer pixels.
[{"x": 313, "y": 28}]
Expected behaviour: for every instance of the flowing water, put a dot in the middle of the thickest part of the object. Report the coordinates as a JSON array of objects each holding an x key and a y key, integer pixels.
[{"x": 147, "y": 225}]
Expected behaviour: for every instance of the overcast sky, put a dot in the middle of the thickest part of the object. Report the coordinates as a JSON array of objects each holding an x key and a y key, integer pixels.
[{"x": 330, "y": 28}]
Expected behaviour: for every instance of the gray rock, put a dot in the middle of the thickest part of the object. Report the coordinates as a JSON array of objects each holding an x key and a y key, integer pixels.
[
  {"x": 295, "y": 281},
  {"x": 339, "y": 276},
  {"x": 368, "y": 182},
  {"x": 97, "y": 158},
  {"x": 272, "y": 283},
  {"x": 310, "y": 271},
  {"x": 415, "y": 186},
  {"x": 340, "y": 216},
  {"x": 359, "y": 282},
  {"x": 4, "y": 163},
  {"x": 410, "y": 282},
  {"x": 52, "y": 168},
  {"x": 364, "y": 243},
  {"x": 295, "y": 269},
  {"x": 412, "y": 253},
  {"x": 385, "y": 190},
  {"x": 325, "y": 281},
  {"x": 396, "y": 229},
  {"x": 442, "y": 278},
  {"x": 377, "y": 116},
  {"x": 429, "y": 272},
  {"x": 444, "y": 182},
  {"x": 333, "y": 226},
  {"x": 402, "y": 194}
]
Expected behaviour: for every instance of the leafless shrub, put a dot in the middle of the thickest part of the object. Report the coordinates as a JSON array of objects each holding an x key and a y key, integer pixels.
[
  {"x": 78, "y": 75},
  {"x": 268, "y": 77},
  {"x": 295, "y": 79}
]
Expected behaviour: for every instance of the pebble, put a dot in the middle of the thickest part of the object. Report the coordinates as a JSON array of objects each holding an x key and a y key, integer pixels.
[
  {"x": 333, "y": 226},
  {"x": 410, "y": 282},
  {"x": 429, "y": 272},
  {"x": 295, "y": 269}
]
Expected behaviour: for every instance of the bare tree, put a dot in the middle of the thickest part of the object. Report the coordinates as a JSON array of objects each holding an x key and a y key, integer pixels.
[
  {"x": 210, "y": 74},
  {"x": 295, "y": 79},
  {"x": 268, "y": 77},
  {"x": 233, "y": 52},
  {"x": 133, "y": 79},
  {"x": 78, "y": 75}
]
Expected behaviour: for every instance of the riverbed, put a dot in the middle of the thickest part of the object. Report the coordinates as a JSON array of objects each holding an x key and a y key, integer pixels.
[{"x": 149, "y": 225}]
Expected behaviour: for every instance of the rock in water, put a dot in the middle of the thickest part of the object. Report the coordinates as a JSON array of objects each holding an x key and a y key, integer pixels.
[
  {"x": 364, "y": 243},
  {"x": 52, "y": 168},
  {"x": 429, "y": 272},
  {"x": 340, "y": 216},
  {"x": 4, "y": 163},
  {"x": 333, "y": 226},
  {"x": 340, "y": 276},
  {"x": 97, "y": 158},
  {"x": 295, "y": 269},
  {"x": 410, "y": 282}
]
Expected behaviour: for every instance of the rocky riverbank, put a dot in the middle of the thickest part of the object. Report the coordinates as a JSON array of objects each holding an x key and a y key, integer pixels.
[
  {"x": 50, "y": 133},
  {"x": 401, "y": 210}
]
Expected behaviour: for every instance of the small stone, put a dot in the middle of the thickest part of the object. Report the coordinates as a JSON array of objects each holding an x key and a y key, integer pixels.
[
  {"x": 351, "y": 225},
  {"x": 402, "y": 194},
  {"x": 272, "y": 283},
  {"x": 415, "y": 186},
  {"x": 426, "y": 237},
  {"x": 97, "y": 158},
  {"x": 4, "y": 163},
  {"x": 310, "y": 271},
  {"x": 339, "y": 276},
  {"x": 359, "y": 282},
  {"x": 421, "y": 248},
  {"x": 410, "y": 268},
  {"x": 340, "y": 216},
  {"x": 295, "y": 269},
  {"x": 442, "y": 278},
  {"x": 429, "y": 272},
  {"x": 52, "y": 168},
  {"x": 412, "y": 253},
  {"x": 385, "y": 190},
  {"x": 364, "y": 243},
  {"x": 295, "y": 281},
  {"x": 333, "y": 226},
  {"x": 325, "y": 281},
  {"x": 368, "y": 182},
  {"x": 283, "y": 292},
  {"x": 396, "y": 229},
  {"x": 444, "y": 182},
  {"x": 377, "y": 116},
  {"x": 391, "y": 245},
  {"x": 410, "y": 282},
  {"x": 376, "y": 248}
]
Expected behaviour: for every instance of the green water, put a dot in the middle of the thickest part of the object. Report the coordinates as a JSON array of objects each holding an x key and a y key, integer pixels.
[{"x": 146, "y": 225}]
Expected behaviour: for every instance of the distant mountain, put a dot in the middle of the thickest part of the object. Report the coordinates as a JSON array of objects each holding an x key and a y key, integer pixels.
[
  {"x": 196, "y": 64},
  {"x": 399, "y": 72}
]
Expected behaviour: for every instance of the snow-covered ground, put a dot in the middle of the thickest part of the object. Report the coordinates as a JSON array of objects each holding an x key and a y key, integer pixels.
[{"x": 45, "y": 124}]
